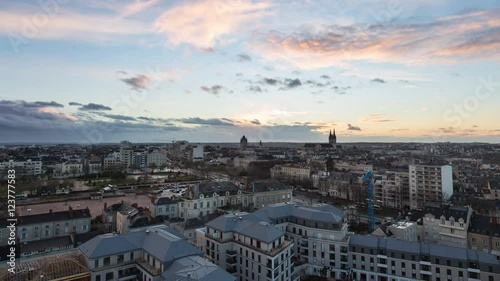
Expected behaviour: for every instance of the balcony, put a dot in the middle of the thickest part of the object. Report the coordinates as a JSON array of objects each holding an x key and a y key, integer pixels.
[
  {"x": 231, "y": 261},
  {"x": 232, "y": 269},
  {"x": 149, "y": 268},
  {"x": 231, "y": 253},
  {"x": 304, "y": 244}
]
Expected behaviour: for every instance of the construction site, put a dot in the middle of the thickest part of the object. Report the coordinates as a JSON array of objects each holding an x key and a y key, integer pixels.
[{"x": 69, "y": 266}]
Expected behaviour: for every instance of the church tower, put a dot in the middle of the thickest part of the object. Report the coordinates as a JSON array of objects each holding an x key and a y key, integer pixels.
[
  {"x": 243, "y": 143},
  {"x": 332, "y": 139}
]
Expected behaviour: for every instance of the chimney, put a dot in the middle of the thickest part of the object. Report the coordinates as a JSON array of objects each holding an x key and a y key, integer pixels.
[
  {"x": 105, "y": 206},
  {"x": 70, "y": 212},
  {"x": 188, "y": 188},
  {"x": 50, "y": 211},
  {"x": 153, "y": 200}
]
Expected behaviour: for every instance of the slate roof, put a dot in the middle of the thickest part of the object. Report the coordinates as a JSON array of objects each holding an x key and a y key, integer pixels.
[
  {"x": 158, "y": 242},
  {"x": 267, "y": 185},
  {"x": 247, "y": 224},
  {"x": 418, "y": 248},
  {"x": 320, "y": 213},
  {"x": 196, "y": 268},
  {"x": 482, "y": 225},
  {"x": 164, "y": 201},
  {"x": 447, "y": 211},
  {"x": 54, "y": 216},
  {"x": 207, "y": 188}
]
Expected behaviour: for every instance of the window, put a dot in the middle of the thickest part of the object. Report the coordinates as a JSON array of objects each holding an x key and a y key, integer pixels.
[
  {"x": 84, "y": 227},
  {"x": 485, "y": 242},
  {"x": 107, "y": 261},
  {"x": 96, "y": 263},
  {"x": 473, "y": 240},
  {"x": 120, "y": 258}
]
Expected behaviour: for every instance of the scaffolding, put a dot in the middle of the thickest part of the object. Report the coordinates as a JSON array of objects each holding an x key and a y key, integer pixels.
[{"x": 62, "y": 267}]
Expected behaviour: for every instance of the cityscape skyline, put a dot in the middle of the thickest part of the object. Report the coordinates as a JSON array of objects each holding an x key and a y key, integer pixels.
[{"x": 213, "y": 71}]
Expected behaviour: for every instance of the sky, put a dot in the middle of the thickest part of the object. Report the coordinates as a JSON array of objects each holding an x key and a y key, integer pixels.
[{"x": 275, "y": 71}]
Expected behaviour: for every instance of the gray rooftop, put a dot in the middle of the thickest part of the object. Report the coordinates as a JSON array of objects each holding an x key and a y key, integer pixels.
[
  {"x": 159, "y": 242},
  {"x": 267, "y": 185},
  {"x": 318, "y": 213},
  {"x": 196, "y": 268},
  {"x": 433, "y": 250},
  {"x": 247, "y": 224}
]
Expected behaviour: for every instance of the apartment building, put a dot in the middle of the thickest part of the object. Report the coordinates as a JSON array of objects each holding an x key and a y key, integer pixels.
[
  {"x": 206, "y": 197},
  {"x": 394, "y": 190},
  {"x": 318, "y": 234},
  {"x": 157, "y": 158},
  {"x": 28, "y": 167},
  {"x": 446, "y": 224},
  {"x": 248, "y": 247},
  {"x": 484, "y": 234},
  {"x": 290, "y": 172},
  {"x": 53, "y": 224},
  {"x": 93, "y": 165},
  {"x": 385, "y": 259},
  {"x": 429, "y": 184},
  {"x": 164, "y": 206},
  {"x": 151, "y": 254},
  {"x": 267, "y": 192},
  {"x": 70, "y": 168},
  {"x": 112, "y": 164}
]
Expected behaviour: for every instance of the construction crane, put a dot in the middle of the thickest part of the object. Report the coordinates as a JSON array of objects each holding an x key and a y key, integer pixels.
[{"x": 367, "y": 177}]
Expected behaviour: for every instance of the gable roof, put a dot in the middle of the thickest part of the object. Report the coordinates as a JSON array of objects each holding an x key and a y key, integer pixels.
[{"x": 160, "y": 242}]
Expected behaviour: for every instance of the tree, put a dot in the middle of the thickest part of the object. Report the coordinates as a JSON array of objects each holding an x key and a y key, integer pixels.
[{"x": 153, "y": 167}]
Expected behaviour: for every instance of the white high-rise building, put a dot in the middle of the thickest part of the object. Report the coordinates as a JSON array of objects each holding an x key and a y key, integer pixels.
[{"x": 429, "y": 184}]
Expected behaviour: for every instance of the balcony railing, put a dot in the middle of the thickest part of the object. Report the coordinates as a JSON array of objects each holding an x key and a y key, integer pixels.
[
  {"x": 231, "y": 253},
  {"x": 149, "y": 268}
]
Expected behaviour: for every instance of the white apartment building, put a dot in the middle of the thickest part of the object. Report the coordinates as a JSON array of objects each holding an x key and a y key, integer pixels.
[
  {"x": 446, "y": 224},
  {"x": 112, "y": 164},
  {"x": 164, "y": 206},
  {"x": 318, "y": 233},
  {"x": 53, "y": 224},
  {"x": 429, "y": 184},
  {"x": 248, "y": 247},
  {"x": 93, "y": 165},
  {"x": 158, "y": 158},
  {"x": 290, "y": 172},
  {"x": 28, "y": 167},
  {"x": 70, "y": 168}
]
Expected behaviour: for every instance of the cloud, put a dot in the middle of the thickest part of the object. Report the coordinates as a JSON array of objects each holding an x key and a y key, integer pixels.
[
  {"x": 324, "y": 76},
  {"x": 120, "y": 117},
  {"x": 292, "y": 83},
  {"x": 72, "y": 103},
  {"x": 377, "y": 118},
  {"x": 69, "y": 24},
  {"x": 255, "y": 122},
  {"x": 94, "y": 107},
  {"x": 353, "y": 128},
  {"x": 399, "y": 130},
  {"x": 378, "y": 80},
  {"x": 467, "y": 36},
  {"x": 271, "y": 81},
  {"x": 255, "y": 88},
  {"x": 215, "y": 89},
  {"x": 138, "y": 82},
  {"x": 207, "y": 23},
  {"x": 210, "y": 121},
  {"x": 244, "y": 58}
]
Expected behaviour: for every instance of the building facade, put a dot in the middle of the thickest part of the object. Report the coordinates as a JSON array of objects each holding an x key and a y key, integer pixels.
[{"x": 429, "y": 184}]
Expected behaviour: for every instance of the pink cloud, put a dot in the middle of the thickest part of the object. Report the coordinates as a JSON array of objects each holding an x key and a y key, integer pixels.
[{"x": 205, "y": 24}]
